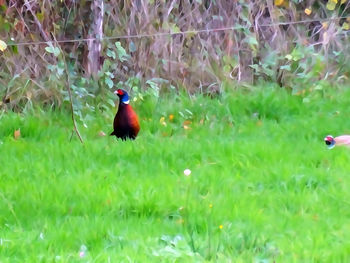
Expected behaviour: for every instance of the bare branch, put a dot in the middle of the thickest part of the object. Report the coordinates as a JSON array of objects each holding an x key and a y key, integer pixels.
[
  {"x": 68, "y": 84},
  {"x": 37, "y": 22}
]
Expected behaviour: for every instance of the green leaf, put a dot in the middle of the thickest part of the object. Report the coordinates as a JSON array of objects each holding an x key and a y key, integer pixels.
[
  {"x": 122, "y": 55},
  {"x": 330, "y": 5},
  {"x": 15, "y": 49},
  {"x": 175, "y": 28},
  {"x": 109, "y": 82},
  {"x": 269, "y": 72},
  {"x": 154, "y": 88},
  {"x": 111, "y": 102},
  {"x": 110, "y": 53},
  {"x": 255, "y": 66},
  {"x": 227, "y": 68},
  {"x": 252, "y": 41},
  {"x": 289, "y": 57},
  {"x": 286, "y": 67},
  {"x": 53, "y": 50},
  {"x": 109, "y": 74},
  {"x": 7, "y": 26},
  {"x": 346, "y": 26},
  {"x": 56, "y": 51}
]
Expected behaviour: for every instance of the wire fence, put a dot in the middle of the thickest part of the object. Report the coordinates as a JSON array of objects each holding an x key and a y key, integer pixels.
[{"x": 168, "y": 34}]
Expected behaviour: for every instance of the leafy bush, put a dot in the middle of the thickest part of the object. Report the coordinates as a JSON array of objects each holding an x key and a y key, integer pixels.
[{"x": 237, "y": 42}]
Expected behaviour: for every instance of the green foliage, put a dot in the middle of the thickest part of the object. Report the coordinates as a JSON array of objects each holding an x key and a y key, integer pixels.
[
  {"x": 122, "y": 55},
  {"x": 53, "y": 50},
  {"x": 261, "y": 177},
  {"x": 295, "y": 55}
]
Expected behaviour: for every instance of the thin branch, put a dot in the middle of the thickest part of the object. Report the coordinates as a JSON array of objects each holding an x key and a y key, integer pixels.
[
  {"x": 37, "y": 22},
  {"x": 68, "y": 83}
]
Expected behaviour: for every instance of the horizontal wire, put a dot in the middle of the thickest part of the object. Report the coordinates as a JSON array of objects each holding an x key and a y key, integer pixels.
[{"x": 162, "y": 34}]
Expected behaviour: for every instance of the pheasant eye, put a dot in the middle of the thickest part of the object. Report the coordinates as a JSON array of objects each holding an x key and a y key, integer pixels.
[{"x": 120, "y": 92}]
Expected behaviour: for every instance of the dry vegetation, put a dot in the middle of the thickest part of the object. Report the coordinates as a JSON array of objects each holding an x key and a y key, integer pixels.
[{"x": 257, "y": 47}]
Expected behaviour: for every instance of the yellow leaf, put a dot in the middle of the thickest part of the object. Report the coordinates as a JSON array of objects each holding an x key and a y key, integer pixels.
[
  {"x": 324, "y": 25},
  {"x": 186, "y": 124},
  {"x": 171, "y": 117},
  {"x": 190, "y": 35},
  {"x": 40, "y": 16},
  {"x": 3, "y": 45},
  {"x": 286, "y": 3},
  {"x": 330, "y": 5},
  {"x": 334, "y": 1},
  {"x": 17, "y": 134},
  {"x": 343, "y": 1},
  {"x": 308, "y": 11},
  {"x": 162, "y": 121},
  {"x": 279, "y": 2},
  {"x": 346, "y": 26}
]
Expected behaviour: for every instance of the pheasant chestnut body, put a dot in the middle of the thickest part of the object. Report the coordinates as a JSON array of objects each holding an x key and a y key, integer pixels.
[
  {"x": 337, "y": 141},
  {"x": 126, "y": 123}
]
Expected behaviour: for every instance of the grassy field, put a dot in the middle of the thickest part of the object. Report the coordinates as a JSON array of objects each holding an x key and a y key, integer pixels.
[{"x": 263, "y": 186}]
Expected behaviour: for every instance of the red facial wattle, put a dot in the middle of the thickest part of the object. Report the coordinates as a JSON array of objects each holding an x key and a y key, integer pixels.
[{"x": 330, "y": 142}]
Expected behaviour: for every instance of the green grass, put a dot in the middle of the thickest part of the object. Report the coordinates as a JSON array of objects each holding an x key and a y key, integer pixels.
[{"x": 257, "y": 158}]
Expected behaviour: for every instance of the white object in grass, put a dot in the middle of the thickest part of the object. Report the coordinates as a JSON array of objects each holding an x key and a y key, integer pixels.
[{"x": 187, "y": 172}]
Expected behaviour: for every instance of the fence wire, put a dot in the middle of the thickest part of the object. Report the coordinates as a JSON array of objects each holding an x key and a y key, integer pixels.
[{"x": 168, "y": 34}]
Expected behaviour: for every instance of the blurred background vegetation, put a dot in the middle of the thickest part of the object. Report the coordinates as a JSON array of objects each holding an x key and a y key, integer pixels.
[{"x": 300, "y": 45}]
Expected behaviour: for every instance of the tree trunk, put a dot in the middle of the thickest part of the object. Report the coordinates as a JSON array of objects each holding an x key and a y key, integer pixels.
[{"x": 96, "y": 31}]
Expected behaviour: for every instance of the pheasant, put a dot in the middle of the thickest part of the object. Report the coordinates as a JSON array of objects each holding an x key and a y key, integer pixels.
[
  {"x": 126, "y": 123},
  {"x": 337, "y": 141}
]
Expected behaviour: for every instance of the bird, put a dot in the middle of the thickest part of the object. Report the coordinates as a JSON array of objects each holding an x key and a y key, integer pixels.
[
  {"x": 126, "y": 122},
  {"x": 337, "y": 141}
]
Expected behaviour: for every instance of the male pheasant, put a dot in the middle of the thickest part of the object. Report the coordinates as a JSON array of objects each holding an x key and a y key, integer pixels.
[
  {"x": 126, "y": 123},
  {"x": 337, "y": 141}
]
